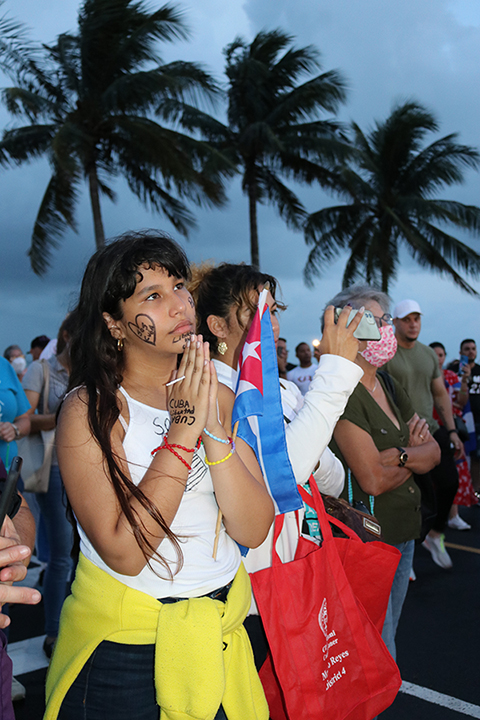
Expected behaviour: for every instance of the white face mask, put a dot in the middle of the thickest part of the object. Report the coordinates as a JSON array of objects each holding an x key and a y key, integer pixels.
[{"x": 19, "y": 364}]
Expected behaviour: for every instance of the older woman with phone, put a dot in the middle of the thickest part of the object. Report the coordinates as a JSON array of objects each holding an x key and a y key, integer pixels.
[{"x": 382, "y": 443}]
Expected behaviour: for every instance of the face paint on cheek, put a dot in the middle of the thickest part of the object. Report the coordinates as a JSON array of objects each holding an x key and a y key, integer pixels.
[
  {"x": 190, "y": 301},
  {"x": 144, "y": 329}
]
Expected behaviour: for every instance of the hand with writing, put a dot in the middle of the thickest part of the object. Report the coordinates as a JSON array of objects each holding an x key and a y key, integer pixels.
[{"x": 189, "y": 399}]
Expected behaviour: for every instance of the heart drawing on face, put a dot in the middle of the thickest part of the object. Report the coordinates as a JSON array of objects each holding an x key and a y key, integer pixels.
[{"x": 144, "y": 328}]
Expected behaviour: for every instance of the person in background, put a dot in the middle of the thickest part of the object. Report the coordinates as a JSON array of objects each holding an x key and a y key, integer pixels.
[
  {"x": 302, "y": 374},
  {"x": 468, "y": 347},
  {"x": 282, "y": 357},
  {"x": 52, "y": 504},
  {"x": 415, "y": 367},
  {"x": 458, "y": 391},
  {"x": 49, "y": 350},
  {"x": 14, "y": 355},
  {"x": 17, "y": 538},
  {"x": 14, "y": 419},
  {"x": 37, "y": 345},
  {"x": 383, "y": 442}
]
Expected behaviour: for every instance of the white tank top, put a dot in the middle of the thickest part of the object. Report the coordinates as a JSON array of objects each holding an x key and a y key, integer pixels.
[{"x": 194, "y": 523}]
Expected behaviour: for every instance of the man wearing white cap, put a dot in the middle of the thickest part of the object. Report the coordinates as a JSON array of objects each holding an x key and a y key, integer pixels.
[{"x": 415, "y": 367}]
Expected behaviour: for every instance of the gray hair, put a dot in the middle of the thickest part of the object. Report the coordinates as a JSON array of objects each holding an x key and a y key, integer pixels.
[
  {"x": 8, "y": 351},
  {"x": 358, "y": 295}
]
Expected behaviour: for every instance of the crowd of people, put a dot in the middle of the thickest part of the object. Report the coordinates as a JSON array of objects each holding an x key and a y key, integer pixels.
[{"x": 150, "y": 494}]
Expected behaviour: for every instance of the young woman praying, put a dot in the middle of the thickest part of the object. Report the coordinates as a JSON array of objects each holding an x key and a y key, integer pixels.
[{"x": 154, "y": 625}]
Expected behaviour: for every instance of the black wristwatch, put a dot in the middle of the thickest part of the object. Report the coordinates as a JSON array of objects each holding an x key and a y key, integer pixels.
[{"x": 403, "y": 459}]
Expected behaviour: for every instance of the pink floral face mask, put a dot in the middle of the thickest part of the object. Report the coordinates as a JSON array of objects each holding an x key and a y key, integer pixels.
[{"x": 379, "y": 352}]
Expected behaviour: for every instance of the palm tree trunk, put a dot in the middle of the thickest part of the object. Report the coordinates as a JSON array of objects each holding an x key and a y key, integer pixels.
[
  {"x": 252, "y": 209},
  {"x": 96, "y": 210}
]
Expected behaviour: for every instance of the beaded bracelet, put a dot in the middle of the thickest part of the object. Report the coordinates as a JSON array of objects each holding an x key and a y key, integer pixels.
[
  {"x": 170, "y": 447},
  {"x": 177, "y": 455},
  {"x": 218, "y": 462},
  {"x": 214, "y": 437},
  {"x": 166, "y": 445}
]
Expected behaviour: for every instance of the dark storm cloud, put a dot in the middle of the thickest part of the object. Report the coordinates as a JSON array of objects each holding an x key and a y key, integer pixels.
[{"x": 387, "y": 50}]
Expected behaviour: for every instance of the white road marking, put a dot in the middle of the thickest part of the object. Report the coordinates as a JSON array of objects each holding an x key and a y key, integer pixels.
[{"x": 437, "y": 698}]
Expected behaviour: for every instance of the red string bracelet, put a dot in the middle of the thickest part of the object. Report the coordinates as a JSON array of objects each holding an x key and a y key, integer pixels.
[
  {"x": 174, "y": 452},
  {"x": 167, "y": 446}
]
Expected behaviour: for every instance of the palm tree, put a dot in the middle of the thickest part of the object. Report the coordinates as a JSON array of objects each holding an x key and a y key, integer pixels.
[
  {"x": 389, "y": 186},
  {"x": 92, "y": 103},
  {"x": 274, "y": 130}
]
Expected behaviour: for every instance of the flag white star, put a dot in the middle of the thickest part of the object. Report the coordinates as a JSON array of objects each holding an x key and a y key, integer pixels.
[{"x": 250, "y": 350}]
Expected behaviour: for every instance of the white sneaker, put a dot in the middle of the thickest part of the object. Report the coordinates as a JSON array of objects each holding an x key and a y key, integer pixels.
[
  {"x": 436, "y": 546},
  {"x": 18, "y": 690},
  {"x": 456, "y": 523}
]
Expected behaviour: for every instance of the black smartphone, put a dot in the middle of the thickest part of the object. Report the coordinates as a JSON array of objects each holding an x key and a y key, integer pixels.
[
  {"x": 9, "y": 487},
  {"x": 367, "y": 329}
]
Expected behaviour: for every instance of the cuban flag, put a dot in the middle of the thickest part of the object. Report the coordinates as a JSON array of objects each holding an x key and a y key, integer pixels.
[{"x": 258, "y": 410}]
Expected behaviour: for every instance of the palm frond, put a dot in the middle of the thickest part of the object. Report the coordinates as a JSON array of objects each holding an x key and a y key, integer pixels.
[
  {"x": 56, "y": 213},
  {"x": 441, "y": 163},
  {"x": 151, "y": 89},
  {"x": 323, "y": 93},
  {"x": 148, "y": 190},
  {"x": 433, "y": 249},
  {"x": 16, "y": 49},
  {"x": 27, "y": 143},
  {"x": 287, "y": 203}
]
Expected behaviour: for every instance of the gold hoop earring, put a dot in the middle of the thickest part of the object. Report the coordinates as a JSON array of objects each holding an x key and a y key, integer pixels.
[
  {"x": 222, "y": 347},
  {"x": 120, "y": 344}
]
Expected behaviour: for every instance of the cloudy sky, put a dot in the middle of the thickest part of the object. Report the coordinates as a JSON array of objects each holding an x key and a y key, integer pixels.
[{"x": 427, "y": 50}]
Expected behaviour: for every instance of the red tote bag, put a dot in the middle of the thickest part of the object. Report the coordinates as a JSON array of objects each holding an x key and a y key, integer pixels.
[
  {"x": 374, "y": 560},
  {"x": 328, "y": 660}
]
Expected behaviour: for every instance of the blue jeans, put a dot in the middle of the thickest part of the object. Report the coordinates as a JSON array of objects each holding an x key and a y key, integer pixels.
[
  {"x": 60, "y": 539},
  {"x": 116, "y": 683},
  {"x": 397, "y": 595}
]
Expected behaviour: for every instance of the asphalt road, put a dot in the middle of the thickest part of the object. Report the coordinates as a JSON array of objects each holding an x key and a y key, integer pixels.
[{"x": 438, "y": 640}]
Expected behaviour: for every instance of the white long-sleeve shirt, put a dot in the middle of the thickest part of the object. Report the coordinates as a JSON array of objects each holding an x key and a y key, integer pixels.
[{"x": 312, "y": 421}]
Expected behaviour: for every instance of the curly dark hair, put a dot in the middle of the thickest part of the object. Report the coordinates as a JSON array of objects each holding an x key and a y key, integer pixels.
[
  {"x": 110, "y": 277},
  {"x": 216, "y": 290}
]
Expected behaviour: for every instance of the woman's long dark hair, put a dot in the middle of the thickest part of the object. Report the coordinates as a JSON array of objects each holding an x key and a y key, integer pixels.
[
  {"x": 216, "y": 290},
  {"x": 97, "y": 366}
]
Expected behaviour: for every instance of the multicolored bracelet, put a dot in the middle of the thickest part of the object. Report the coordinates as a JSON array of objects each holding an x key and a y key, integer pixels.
[
  {"x": 214, "y": 437},
  {"x": 218, "y": 462}
]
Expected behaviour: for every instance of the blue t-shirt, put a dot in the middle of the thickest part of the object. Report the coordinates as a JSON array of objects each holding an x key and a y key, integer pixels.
[{"x": 13, "y": 402}]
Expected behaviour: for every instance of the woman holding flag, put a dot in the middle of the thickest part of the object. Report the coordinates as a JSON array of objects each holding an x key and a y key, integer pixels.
[
  {"x": 226, "y": 299},
  {"x": 154, "y": 623}
]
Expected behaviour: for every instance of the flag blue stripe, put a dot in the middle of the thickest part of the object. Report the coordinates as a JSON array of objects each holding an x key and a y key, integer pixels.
[{"x": 279, "y": 473}]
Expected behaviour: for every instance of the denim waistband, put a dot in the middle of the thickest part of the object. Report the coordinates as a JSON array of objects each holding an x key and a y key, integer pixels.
[{"x": 218, "y": 594}]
